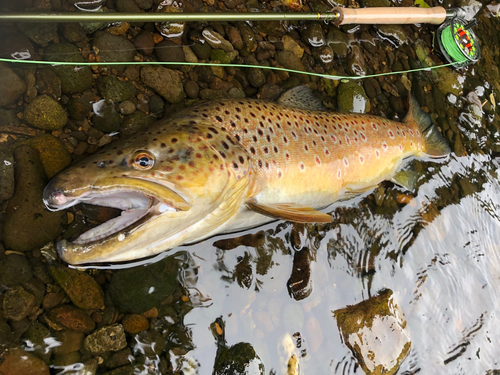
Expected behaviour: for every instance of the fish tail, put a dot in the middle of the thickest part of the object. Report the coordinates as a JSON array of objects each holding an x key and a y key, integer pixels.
[{"x": 434, "y": 143}]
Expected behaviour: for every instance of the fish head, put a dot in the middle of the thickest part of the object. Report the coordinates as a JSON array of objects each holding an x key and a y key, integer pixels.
[{"x": 175, "y": 184}]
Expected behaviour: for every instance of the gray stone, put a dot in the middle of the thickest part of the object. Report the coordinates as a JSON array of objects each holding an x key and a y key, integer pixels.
[
  {"x": 107, "y": 119},
  {"x": 167, "y": 50},
  {"x": 11, "y": 86},
  {"x": 156, "y": 104},
  {"x": 165, "y": 82},
  {"x": 109, "y": 338},
  {"x": 114, "y": 89},
  {"x": 78, "y": 108},
  {"x": 6, "y": 175},
  {"x": 256, "y": 77},
  {"x": 313, "y": 35},
  {"x": 289, "y": 60},
  {"x": 338, "y": 42},
  {"x": 28, "y": 224},
  {"x": 18, "y": 303}
]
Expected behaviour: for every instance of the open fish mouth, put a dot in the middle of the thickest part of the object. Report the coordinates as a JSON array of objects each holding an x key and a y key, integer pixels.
[{"x": 138, "y": 207}]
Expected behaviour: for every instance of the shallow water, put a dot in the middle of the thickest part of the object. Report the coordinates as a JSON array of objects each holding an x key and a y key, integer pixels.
[{"x": 436, "y": 249}]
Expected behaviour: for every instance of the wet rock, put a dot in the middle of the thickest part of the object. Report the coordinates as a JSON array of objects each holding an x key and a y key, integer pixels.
[
  {"x": 9, "y": 117},
  {"x": 135, "y": 122},
  {"x": 40, "y": 33},
  {"x": 52, "y": 299},
  {"x": 139, "y": 289},
  {"x": 90, "y": 5},
  {"x": 45, "y": 113},
  {"x": 216, "y": 40},
  {"x": 19, "y": 362},
  {"x": 201, "y": 50},
  {"x": 81, "y": 288},
  {"x": 135, "y": 323},
  {"x": 127, "y": 6},
  {"x": 395, "y": 33},
  {"x": 338, "y": 42},
  {"x": 300, "y": 284},
  {"x": 114, "y": 89},
  {"x": 18, "y": 303},
  {"x": 28, "y": 224},
  {"x": 325, "y": 56},
  {"x": 68, "y": 361},
  {"x": 248, "y": 36},
  {"x": 71, "y": 341},
  {"x": 35, "y": 287},
  {"x": 165, "y": 82},
  {"x": 11, "y": 86},
  {"x": 6, "y": 176},
  {"x": 167, "y": 50},
  {"x": 73, "y": 32},
  {"x": 73, "y": 318},
  {"x": 289, "y": 60},
  {"x": 237, "y": 359},
  {"x": 356, "y": 64},
  {"x": 105, "y": 117},
  {"x": 74, "y": 79},
  {"x": 220, "y": 56},
  {"x": 53, "y": 154},
  {"x": 48, "y": 83},
  {"x": 270, "y": 92},
  {"x": 156, "y": 104},
  {"x": 289, "y": 44},
  {"x": 109, "y": 338},
  {"x": 351, "y": 97},
  {"x": 16, "y": 46},
  {"x": 120, "y": 358},
  {"x": 236, "y": 93},
  {"x": 209, "y": 94},
  {"x": 375, "y": 331},
  {"x": 40, "y": 270},
  {"x": 127, "y": 107},
  {"x": 36, "y": 335},
  {"x": 144, "y": 4},
  {"x": 144, "y": 42},
  {"x": 78, "y": 108},
  {"x": 152, "y": 343},
  {"x": 255, "y": 77},
  {"x": 6, "y": 335},
  {"x": 372, "y": 87},
  {"x": 313, "y": 35},
  {"x": 14, "y": 269},
  {"x": 113, "y": 48},
  {"x": 234, "y": 37}
]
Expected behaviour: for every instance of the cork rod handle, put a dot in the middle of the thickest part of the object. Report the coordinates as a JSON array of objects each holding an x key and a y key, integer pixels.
[{"x": 389, "y": 15}]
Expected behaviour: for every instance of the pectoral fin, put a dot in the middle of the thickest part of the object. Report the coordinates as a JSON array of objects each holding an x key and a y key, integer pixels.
[{"x": 289, "y": 211}]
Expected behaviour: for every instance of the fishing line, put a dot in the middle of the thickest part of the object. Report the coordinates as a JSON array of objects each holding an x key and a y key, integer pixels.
[{"x": 321, "y": 75}]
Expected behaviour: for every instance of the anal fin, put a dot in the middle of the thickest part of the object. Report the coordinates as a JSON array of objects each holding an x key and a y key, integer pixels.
[
  {"x": 290, "y": 212},
  {"x": 406, "y": 179}
]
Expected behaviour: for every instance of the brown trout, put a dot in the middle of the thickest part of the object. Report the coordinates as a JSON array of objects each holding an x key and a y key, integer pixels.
[{"x": 227, "y": 165}]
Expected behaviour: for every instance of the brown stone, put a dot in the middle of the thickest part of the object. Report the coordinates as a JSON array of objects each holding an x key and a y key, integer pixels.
[
  {"x": 135, "y": 323},
  {"x": 72, "y": 318}
]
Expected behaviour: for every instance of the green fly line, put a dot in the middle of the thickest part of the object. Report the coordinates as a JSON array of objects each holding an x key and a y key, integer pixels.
[{"x": 321, "y": 75}]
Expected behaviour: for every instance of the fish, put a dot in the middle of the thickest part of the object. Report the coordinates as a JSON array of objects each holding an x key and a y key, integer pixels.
[{"x": 227, "y": 165}]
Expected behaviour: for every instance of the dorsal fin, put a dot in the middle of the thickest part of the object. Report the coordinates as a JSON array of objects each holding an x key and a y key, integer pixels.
[{"x": 301, "y": 97}]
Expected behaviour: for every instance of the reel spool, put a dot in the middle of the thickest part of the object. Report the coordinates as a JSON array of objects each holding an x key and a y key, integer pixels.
[{"x": 457, "y": 42}]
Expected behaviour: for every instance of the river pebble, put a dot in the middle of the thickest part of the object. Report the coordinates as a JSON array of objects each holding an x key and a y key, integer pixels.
[
  {"x": 6, "y": 175},
  {"x": 28, "y": 224},
  {"x": 18, "y": 303},
  {"x": 165, "y": 82},
  {"x": 114, "y": 89},
  {"x": 11, "y": 86},
  {"x": 19, "y": 362},
  {"x": 71, "y": 341},
  {"x": 109, "y": 338},
  {"x": 45, "y": 113},
  {"x": 145, "y": 43},
  {"x": 81, "y": 288},
  {"x": 73, "y": 318}
]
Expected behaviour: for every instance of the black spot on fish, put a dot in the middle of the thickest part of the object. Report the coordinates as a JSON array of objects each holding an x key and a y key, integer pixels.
[
  {"x": 225, "y": 145},
  {"x": 218, "y": 118}
]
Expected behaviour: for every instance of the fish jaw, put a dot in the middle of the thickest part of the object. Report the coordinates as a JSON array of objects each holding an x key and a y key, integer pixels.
[{"x": 194, "y": 189}]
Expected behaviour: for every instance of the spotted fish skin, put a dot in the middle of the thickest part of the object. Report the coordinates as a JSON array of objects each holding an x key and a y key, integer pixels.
[
  {"x": 227, "y": 165},
  {"x": 312, "y": 157}
]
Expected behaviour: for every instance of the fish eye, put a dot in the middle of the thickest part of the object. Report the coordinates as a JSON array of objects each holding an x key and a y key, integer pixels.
[{"x": 143, "y": 160}]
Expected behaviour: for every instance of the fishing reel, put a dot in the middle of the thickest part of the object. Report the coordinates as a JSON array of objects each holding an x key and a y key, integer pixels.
[{"x": 456, "y": 41}]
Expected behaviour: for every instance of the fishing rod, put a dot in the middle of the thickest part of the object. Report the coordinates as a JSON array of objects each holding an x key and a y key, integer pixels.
[{"x": 454, "y": 38}]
